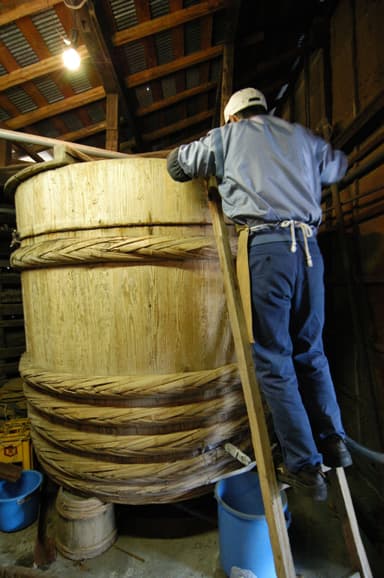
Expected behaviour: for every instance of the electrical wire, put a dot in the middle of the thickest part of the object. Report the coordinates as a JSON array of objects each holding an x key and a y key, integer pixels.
[{"x": 73, "y": 7}]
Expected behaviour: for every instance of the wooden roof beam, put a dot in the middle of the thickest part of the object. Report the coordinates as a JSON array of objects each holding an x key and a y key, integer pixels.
[
  {"x": 193, "y": 59},
  {"x": 178, "y": 126},
  {"x": 181, "y": 96},
  {"x": 167, "y": 21},
  {"x": 46, "y": 66},
  {"x": 91, "y": 33},
  {"x": 59, "y": 107},
  {"x": 75, "y": 135},
  {"x": 16, "y": 9}
]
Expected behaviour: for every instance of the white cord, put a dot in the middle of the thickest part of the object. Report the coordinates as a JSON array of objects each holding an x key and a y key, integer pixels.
[{"x": 72, "y": 7}]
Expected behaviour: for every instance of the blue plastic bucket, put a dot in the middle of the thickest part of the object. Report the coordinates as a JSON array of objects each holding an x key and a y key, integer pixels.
[
  {"x": 243, "y": 530},
  {"x": 19, "y": 501}
]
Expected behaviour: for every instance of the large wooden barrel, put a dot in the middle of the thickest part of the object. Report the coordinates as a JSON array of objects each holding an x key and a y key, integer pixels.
[{"x": 129, "y": 369}]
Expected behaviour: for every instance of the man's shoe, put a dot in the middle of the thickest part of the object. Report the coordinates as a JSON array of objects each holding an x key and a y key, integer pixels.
[
  {"x": 310, "y": 480},
  {"x": 335, "y": 452}
]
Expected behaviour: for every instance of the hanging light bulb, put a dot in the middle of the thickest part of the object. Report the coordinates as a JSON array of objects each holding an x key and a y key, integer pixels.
[{"x": 71, "y": 58}]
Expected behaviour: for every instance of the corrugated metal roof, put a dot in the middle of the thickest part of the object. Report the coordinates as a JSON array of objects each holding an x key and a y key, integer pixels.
[
  {"x": 17, "y": 45},
  {"x": 22, "y": 101},
  {"x": 158, "y": 8},
  {"x": 78, "y": 79},
  {"x": 4, "y": 115},
  {"x": 188, "y": 3},
  {"x": 51, "y": 30},
  {"x": 124, "y": 13},
  {"x": 135, "y": 56},
  {"x": 49, "y": 89},
  {"x": 164, "y": 49},
  {"x": 192, "y": 37}
]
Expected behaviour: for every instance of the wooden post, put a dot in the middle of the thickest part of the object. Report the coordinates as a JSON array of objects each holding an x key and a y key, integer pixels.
[
  {"x": 5, "y": 153},
  {"x": 112, "y": 115},
  {"x": 259, "y": 433}
]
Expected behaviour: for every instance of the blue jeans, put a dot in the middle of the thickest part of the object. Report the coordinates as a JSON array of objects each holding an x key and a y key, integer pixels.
[{"x": 291, "y": 366}]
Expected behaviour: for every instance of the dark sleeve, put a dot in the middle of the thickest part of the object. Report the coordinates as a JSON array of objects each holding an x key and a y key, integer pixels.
[{"x": 174, "y": 168}]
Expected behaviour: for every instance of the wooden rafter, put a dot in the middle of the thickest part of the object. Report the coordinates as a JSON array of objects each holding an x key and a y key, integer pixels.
[
  {"x": 178, "y": 126},
  {"x": 173, "y": 66},
  {"x": 91, "y": 31},
  {"x": 180, "y": 96},
  {"x": 50, "y": 110},
  {"x": 76, "y": 135},
  {"x": 149, "y": 27},
  {"x": 41, "y": 68},
  {"x": 16, "y": 9}
]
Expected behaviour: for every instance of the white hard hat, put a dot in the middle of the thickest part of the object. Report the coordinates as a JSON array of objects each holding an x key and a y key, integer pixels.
[{"x": 243, "y": 99}]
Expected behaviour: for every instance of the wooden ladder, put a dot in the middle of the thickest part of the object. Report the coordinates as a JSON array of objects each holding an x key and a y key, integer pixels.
[{"x": 270, "y": 490}]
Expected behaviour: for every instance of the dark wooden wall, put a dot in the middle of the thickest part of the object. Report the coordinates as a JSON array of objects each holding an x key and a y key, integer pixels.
[{"x": 339, "y": 93}]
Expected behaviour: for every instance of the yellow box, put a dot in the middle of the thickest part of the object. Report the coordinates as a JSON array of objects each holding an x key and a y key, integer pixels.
[{"x": 15, "y": 443}]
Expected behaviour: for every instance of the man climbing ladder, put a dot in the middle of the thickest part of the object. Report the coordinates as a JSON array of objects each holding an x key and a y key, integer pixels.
[{"x": 269, "y": 175}]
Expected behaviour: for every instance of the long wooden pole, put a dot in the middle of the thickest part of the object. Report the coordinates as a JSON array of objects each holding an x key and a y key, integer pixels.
[
  {"x": 259, "y": 433},
  {"x": 16, "y": 136}
]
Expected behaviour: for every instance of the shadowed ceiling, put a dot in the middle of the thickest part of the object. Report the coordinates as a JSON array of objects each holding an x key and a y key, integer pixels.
[{"x": 153, "y": 72}]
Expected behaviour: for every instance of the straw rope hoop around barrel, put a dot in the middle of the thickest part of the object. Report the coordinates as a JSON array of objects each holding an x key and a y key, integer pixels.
[
  {"x": 129, "y": 371},
  {"x": 138, "y": 434},
  {"x": 116, "y": 249}
]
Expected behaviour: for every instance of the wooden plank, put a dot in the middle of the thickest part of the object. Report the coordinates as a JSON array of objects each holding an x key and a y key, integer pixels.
[
  {"x": 91, "y": 31},
  {"x": 177, "y": 18},
  {"x": 49, "y": 110},
  {"x": 46, "y": 66},
  {"x": 177, "y": 126},
  {"x": 171, "y": 67},
  {"x": 10, "y": 472},
  {"x": 174, "y": 99},
  {"x": 112, "y": 114},
  {"x": 259, "y": 432},
  {"x": 344, "y": 505},
  {"x": 82, "y": 133},
  {"x": 5, "y": 153},
  {"x": 17, "y": 9}
]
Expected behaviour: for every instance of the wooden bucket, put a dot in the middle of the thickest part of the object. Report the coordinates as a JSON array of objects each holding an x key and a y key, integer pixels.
[
  {"x": 129, "y": 369},
  {"x": 85, "y": 527}
]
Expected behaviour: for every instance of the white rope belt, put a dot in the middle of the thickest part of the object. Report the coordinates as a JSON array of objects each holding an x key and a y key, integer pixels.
[{"x": 306, "y": 231}]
